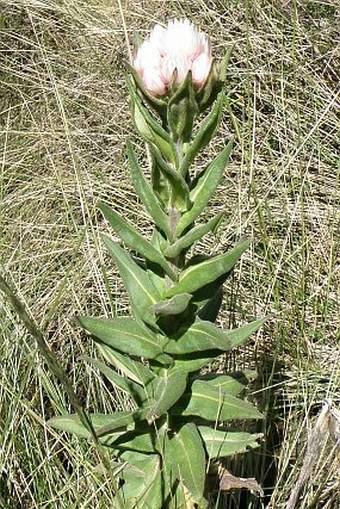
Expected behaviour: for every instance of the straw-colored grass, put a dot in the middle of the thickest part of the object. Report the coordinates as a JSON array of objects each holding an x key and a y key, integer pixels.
[{"x": 64, "y": 121}]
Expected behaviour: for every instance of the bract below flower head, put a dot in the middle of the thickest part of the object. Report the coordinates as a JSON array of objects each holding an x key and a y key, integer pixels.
[{"x": 179, "y": 47}]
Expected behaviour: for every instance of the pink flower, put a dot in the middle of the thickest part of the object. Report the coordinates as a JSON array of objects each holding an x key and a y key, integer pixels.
[{"x": 179, "y": 47}]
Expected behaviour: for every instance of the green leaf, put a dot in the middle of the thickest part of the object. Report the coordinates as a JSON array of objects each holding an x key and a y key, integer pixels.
[
  {"x": 126, "y": 385},
  {"x": 142, "y": 293},
  {"x": 212, "y": 404},
  {"x": 136, "y": 241},
  {"x": 146, "y": 194},
  {"x": 72, "y": 424},
  {"x": 142, "y": 482},
  {"x": 222, "y": 443},
  {"x": 197, "y": 276},
  {"x": 205, "y": 133},
  {"x": 233, "y": 383},
  {"x": 192, "y": 236},
  {"x": 127, "y": 335},
  {"x": 167, "y": 390},
  {"x": 131, "y": 368},
  {"x": 205, "y": 188},
  {"x": 122, "y": 419},
  {"x": 207, "y": 336},
  {"x": 174, "y": 306},
  {"x": 140, "y": 440},
  {"x": 182, "y": 110},
  {"x": 150, "y": 130},
  {"x": 188, "y": 457},
  {"x": 179, "y": 190}
]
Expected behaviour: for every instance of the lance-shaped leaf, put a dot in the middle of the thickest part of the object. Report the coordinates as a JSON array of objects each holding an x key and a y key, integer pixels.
[
  {"x": 72, "y": 424},
  {"x": 195, "y": 361},
  {"x": 188, "y": 457},
  {"x": 192, "y": 236},
  {"x": 222, "y": 443},
  {"x": 204, "y": 134},
  {"x": 145, "y": 193},
  {"x": 233, "y": 383},
  {"x": 142, "y": 481},
  {"x": 135, "y": 240},
  {"x": 182, "y": 110},
  {"x": 179, "y": 190},
  {"x": 143, "y": 439},
  {"x": 212, "y": 404},
  {"x": 123, "y": 383},
  {"x": 167, "y": 390},
  {"x": 207, "y": 336},
  {"x": 127, "y": 335},
  {"x": 197, "y": 276},
  {"x": 131, "y": 368},
  {"x": 142, "y": 293},
  {"x": 205, "y": 188},
  {"x": 118, "y": 420},
  {"x": 150, "y": 130},
  {"x": 174, "y": 306}
]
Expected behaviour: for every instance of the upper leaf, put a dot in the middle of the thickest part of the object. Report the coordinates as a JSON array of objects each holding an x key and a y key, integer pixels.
[
  {"x": 166, "y": 391},
  {"x": 127, "y": 335},
  {"x": 146, "y": 194},
  {"x": 207, "y": 336},
  {"x": 205, "y": 188},
  {"x": 131, "y": 368},
  {"x": 197, "y": 276},
  {"x": 213, "y": 404},
  {"x": 173, "y": 306},
  {"x": 192, "y": 236},
  {"x": 142, "y": 293},
  {"x": 135, "y": 240},
  {"x": 205, "y": 133}
]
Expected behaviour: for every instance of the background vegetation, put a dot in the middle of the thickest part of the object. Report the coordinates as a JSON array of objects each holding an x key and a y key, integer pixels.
[{"x": 64, "y": 121}]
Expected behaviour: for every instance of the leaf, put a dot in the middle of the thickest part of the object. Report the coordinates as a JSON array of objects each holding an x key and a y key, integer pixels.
[
  {"x": 197, "y": 276},
  {"x": 119, "y": 419},
  {"x": 145, "y": 442},
  {"x": 131, "y": 368},
  {"x": 179, "y": 189},
  {"x": 174, "y": 306},
  {"x": 126, "y": 385},
  {"x": 205, "y": 188},
  {"x": 136, "y": 241},
  {"x": 182, "y": 110},
  {"x": 72, "y": 424},
  {"x": 142, "y": 293},
  {"x": 233, "y": 383},
  {"x": 188, "y": 456},
  {"x": 192, "y": 236},
  {"x": 222, "y": 443},
  {"x": 150, "y": 130},
  {"x": 204, "y": 134},
  {"x": 195, "y": 361},
  {"x": 127, "y": 335},
  {"x": 146, "y": 194},
  {"x": 167, "y": 390},
  {"x": 207, "y": 336},
  {"x": 142, "y": 483},
  {"x": 230, "y": 482},
  {"x": 213, "y": 404}
]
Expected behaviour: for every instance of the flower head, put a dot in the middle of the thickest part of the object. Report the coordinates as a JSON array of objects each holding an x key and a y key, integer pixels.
[{"x": 170, "y": 53}]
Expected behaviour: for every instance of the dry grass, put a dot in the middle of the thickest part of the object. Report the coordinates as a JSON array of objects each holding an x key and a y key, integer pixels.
[{"x": 64, "y": 119}]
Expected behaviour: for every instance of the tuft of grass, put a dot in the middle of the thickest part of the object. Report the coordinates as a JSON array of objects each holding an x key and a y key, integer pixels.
[{"x": 64, "y": 121}]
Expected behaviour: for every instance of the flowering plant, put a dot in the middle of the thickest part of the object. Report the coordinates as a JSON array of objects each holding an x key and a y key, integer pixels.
[{"x": 179, "y": 422}]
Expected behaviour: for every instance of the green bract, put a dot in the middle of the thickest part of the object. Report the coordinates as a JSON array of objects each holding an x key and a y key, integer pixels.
[{"x": 179, "y": 418}]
